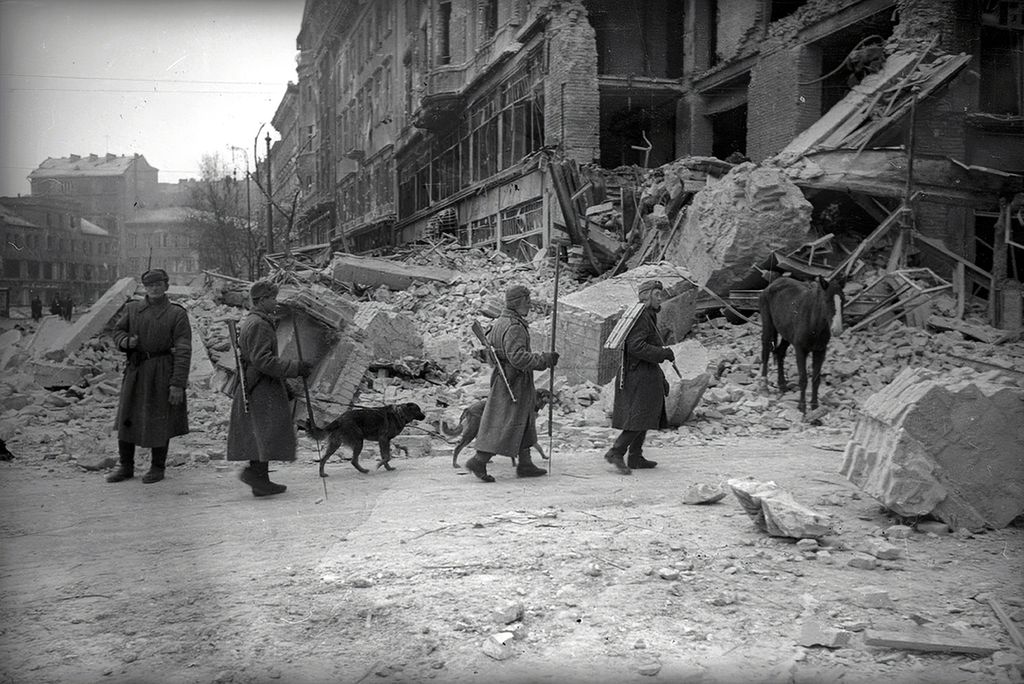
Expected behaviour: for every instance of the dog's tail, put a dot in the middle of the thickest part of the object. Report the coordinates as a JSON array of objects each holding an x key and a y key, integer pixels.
[{"x": 453, "y": 430}]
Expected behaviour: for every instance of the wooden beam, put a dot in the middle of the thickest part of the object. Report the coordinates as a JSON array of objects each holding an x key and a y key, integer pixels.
[
  {"x": 1011, "y": 629},
  {"x": 926, "y": 640},
  {"x": 960, "y": 289},
  {"x": 890, "y": 220}
]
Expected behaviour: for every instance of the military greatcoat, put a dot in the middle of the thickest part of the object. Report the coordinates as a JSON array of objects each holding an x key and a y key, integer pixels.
[
  {"x": 145, "y": 416},
  {"x": 267, "y": 431},
  {"x": 640, "y": 384},
  {"x": 507, "y": 428}
]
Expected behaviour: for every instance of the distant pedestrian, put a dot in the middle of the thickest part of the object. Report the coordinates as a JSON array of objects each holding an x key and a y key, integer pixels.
[
  {"x": 157, "y": 337},
  {"x": 37, "y": 307},
  {"x": 55, "y": 306},
  {"x": 67, "y": 307},
  {"x": 261, "y": 428},
  {"x": 640, "y": 387},
  {"x": 509, "y": 427}
]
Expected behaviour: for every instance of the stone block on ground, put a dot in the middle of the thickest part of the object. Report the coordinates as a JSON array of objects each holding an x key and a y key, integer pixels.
[
  {"x": 497, "y": 646},
  {"x": 774, "y": 510},
  {"x": 389, "y": 334},
  {"x": 445, "y": 351},
  {"x": 65, "y": 340},
  {"x": 739, "y": 220},
  {"x": 703, "y": 493},
  {"x": 813, "y": 633},
  {"x": 946, "y": 444},
  {"x": 55, "y": 375}
]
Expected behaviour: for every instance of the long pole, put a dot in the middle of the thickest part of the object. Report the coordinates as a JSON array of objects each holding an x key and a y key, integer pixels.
[
  {"x": 270, "y": 204},
  {"x": 248, "y": 220},
  {"x": 551, "y": 378},
  {"x": 305, "y": 387}
]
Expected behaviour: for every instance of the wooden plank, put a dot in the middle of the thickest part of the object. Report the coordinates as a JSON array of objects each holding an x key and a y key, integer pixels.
[
  {"x": 983, "y": 333},
  {"x": 959, "y": 289},
  {"x": 927, "y": 640},
  {"x": 1011, "y": 629},
  {"x": 877, "y": 233},
  {"x": 942, "y": 249}
]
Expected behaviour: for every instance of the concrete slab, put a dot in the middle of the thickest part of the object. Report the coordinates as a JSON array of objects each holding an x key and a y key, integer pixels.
[
  {"x": 348, "y": 268},
  {"x": 62, "y": 341}
]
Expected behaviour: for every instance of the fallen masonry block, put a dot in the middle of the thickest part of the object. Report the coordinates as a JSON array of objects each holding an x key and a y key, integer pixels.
[
  {"x": 67, "y": 339},
  {"x": 55, "y": 375},
  {"x": 497, "y": 645},
  {"x": 883, "y": 550},
  {"x": 774, "y": 510},
  {"x": 320, "y": 303},
  {"x": 871, "y": 597},
  {"x": 916, "y": 639},
  {"x": 507, "y": 612},
  {"x": 370, "y": 271},
  {"x": 946, "y": 444},
  {"x": 739, "y": 220},
  {"x": 389, "y": 334},
  {"x": 703, "y": 493},
  {"x": 813, "y": 633}
]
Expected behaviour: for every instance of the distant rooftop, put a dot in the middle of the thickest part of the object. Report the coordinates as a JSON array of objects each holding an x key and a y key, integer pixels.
[
  {"x": 89, "y": 165},
  {"x": 12, "y": 219}
]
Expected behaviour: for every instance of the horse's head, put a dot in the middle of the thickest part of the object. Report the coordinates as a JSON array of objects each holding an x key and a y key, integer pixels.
[{"x": 833, "y": 291}]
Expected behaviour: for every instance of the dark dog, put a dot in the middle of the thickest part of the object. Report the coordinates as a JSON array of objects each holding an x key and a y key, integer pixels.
[
  {"x": 352, "y": 427},
  {"x": 469, "y": 424}
]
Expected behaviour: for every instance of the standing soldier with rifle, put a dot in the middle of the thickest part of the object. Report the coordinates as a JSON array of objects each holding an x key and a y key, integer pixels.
[
  {"x": 509, "y": 423},
  {"x": 261, "y": 428}
]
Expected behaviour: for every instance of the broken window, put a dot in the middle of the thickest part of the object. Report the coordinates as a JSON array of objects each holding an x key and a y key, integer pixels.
[
  {"x": 729, "y": 132},
  {"x": 480, "y": 231},
  {"x": 1002, "y": 71},
  {"x": 522, "y": 218},
  {"x": 444, "y": 33},
  {"x": 489, "y": 18},
  {"x": 638, "y": 37}
]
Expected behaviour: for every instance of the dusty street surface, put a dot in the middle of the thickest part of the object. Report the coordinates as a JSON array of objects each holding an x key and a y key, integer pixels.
[{"x": 395, "y": 576}]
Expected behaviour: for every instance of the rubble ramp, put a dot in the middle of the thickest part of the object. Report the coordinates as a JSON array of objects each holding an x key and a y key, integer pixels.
[{"x": 946, "y": 444}]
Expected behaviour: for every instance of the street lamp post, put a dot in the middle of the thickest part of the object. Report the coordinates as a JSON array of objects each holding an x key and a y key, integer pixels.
[{"x": 270, "y": 204}]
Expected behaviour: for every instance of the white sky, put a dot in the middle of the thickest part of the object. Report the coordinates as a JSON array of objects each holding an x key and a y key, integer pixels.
[{"x": 169, "y": 79}]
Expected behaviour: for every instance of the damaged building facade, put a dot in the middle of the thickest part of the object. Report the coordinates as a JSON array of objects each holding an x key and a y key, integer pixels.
[{"x": 417, "y": 118}]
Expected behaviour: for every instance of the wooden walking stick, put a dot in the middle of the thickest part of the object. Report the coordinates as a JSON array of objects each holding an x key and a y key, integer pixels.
[
  {"x": 551, "y": 379},
  {"x": 305, "y": 387}
]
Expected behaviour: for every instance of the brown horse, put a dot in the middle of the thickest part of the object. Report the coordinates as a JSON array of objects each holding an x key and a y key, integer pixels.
[{"x": 805, "y": 315}]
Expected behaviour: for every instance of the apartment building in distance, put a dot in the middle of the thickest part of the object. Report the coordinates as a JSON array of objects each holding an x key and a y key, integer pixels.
[
  {"x": 417, "y": 115},
  {"x": 49, "y": 249}
]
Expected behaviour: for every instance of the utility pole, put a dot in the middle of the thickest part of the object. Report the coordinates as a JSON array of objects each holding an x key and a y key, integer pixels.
[{"x": 270, "y": 204}]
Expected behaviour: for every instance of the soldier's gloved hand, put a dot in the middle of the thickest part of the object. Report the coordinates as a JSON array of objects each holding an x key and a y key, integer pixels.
[
  {"x": 305, "y": 369},
  {"x": 669, "y": 354},
  {"x": 133, "y": 342},
  {"x": 177, "y": 395},
  {"x": 550, "y": 359}
]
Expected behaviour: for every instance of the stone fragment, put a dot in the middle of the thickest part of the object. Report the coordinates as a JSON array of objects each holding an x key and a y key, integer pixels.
[
  {"x": 507, "y": 612},
  {"x": 518, "y": 631},
  {"x": 703, "y": 493},
  {"x": 814, "y": 633},
  {"x": 668, "y": 573},
  {"x": 649, "y": 668},
  {"x": 933, "y": 527},
  {"x": 946, "y": 444},
  {"x": 882, "y": 550},
  {"x": 775, "y": 511},
  {"x": 497, "y": 645},
  {"x": 807, "y": 545},
  {"x": 898, "y": 531},
  {"x": 863, "y": 562},
  {"x": 390, "y": 334},
  {"x": 95, "y": 461},
  {"x": 871, "y": 597}
]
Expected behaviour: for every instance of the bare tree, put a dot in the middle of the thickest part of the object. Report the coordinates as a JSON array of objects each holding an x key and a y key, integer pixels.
[{"x": 218, "y": 221}]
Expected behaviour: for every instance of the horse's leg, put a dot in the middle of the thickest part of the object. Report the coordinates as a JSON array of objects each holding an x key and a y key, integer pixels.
[
  {"x": 801, "y": 367},
  {"x": 817, "y": 359},
  {"x": 780, "y": 361},
  {"x": 768, "y": 336}
]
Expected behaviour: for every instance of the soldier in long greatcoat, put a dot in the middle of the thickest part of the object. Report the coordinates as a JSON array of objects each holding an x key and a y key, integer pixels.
[
  {"x": 509, "y": 427},
  {"x": 265, "y": 432},
  {"x": 640, "y": 387},
  {"x": 156, "y": 336}
]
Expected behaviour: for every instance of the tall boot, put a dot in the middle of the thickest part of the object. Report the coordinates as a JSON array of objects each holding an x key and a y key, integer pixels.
[
  {"x": 526, "y": 467},
  {"x": 256, "y": 475},
  {"x": 477, "y": 465},
  {"x": 126, "y": 463},
  {"x": 156, "y": 466},
  {"x": 272, "y": 487}
]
